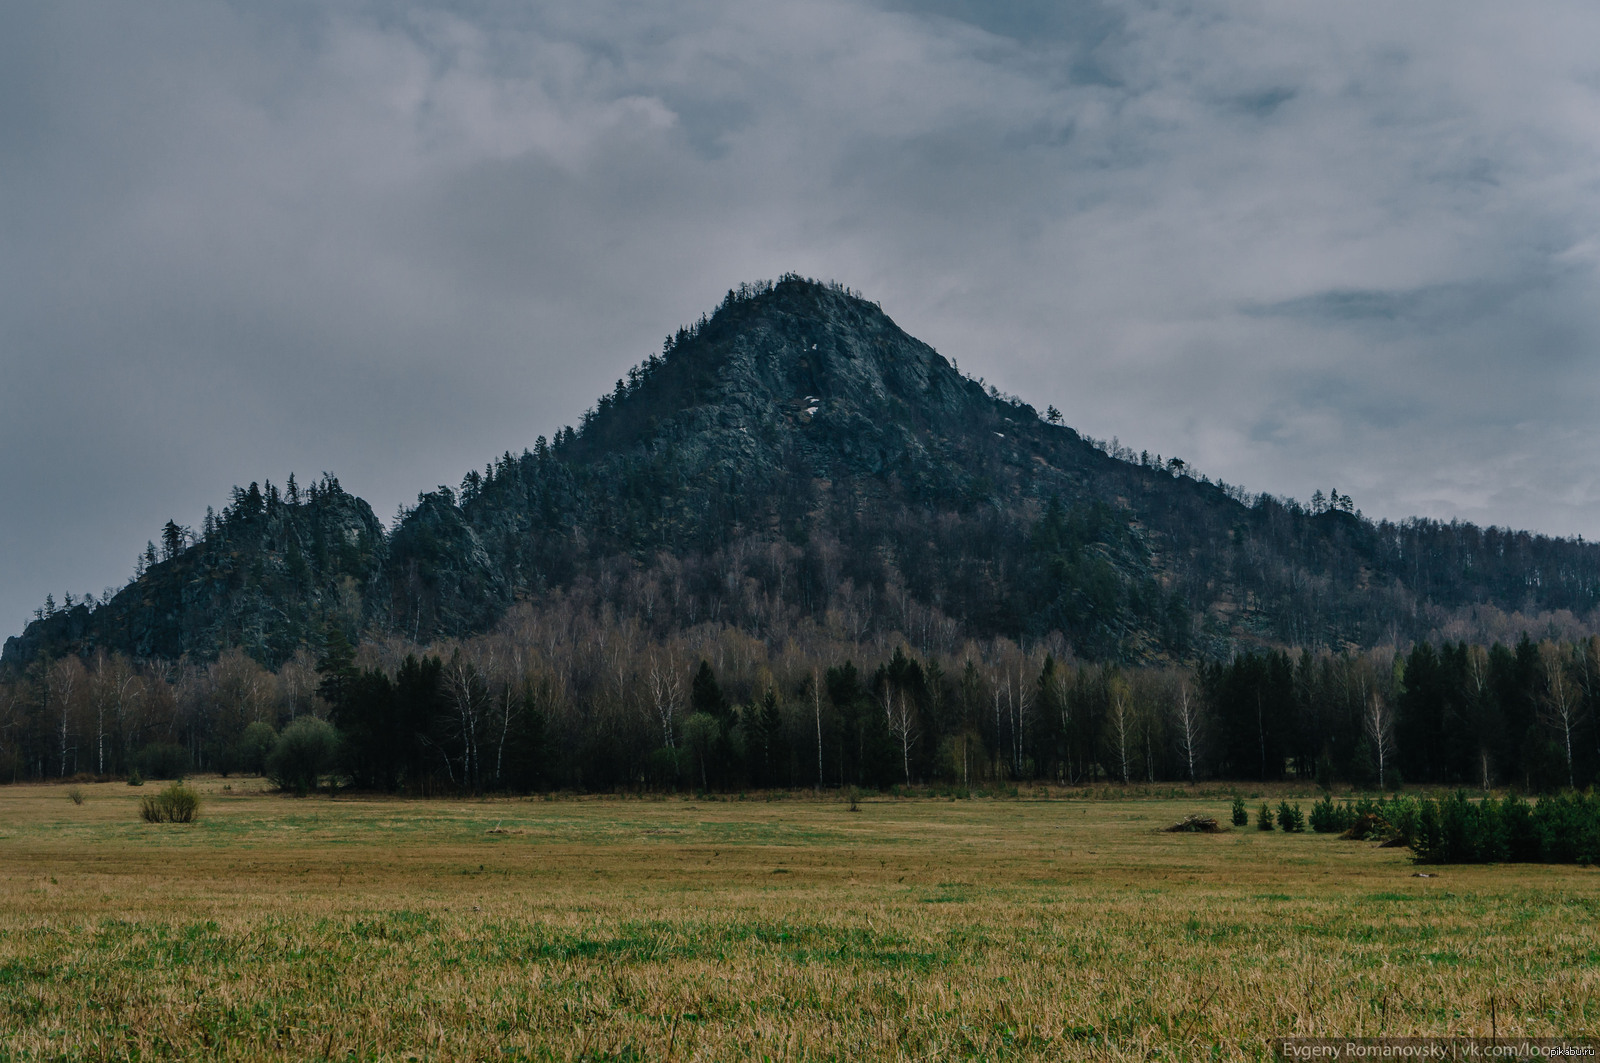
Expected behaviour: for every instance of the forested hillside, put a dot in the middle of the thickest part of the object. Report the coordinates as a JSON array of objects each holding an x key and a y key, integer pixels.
[
  {"x": 894, "y": 572},
  {"x": 795, "y": 456}
]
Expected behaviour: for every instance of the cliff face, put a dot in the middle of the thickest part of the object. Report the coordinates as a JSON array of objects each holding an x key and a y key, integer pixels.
[{"x": 797, "y": 456}]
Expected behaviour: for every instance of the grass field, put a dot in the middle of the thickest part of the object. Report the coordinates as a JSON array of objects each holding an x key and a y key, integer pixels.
[{"x": 283, "y": 928}]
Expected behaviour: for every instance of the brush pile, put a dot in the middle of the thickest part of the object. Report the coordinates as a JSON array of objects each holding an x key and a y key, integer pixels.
[{"x": 1195, "y": 825}]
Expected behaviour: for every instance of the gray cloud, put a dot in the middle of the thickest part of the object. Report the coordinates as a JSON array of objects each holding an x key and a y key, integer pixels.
[{"x": 1302, "y": 246}]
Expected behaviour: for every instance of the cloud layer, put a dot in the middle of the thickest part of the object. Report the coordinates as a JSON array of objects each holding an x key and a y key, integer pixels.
[{"x": 1303, "y": 246}]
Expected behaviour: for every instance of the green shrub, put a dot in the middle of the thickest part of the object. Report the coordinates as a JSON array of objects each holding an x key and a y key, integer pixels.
[
  {"x": 1291, "y": 818},
  {"x": 1568, "y": 826},
  {"x": 1326, "y": 817},
  {"x": 1264, "y": 817},
  {"x": 662, "y": 768},
  {"x": 1403, "y": 816},
  {"x": 304, "y": 751},
  {"x": 1241, "y": 818},
  {"x": 1517, "y": 828},
  {"x": 255, "y": 745},
  {"x": 162, "y": 760},
  {"x": 176, "y": 804},
  {"x": 134, "y": 778},
  {"x": 76, "y": 793},
  {"x": 1560, "y": 829}
]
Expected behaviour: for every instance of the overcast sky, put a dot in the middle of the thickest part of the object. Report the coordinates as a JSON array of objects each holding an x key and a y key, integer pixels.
[{"x": 1302, "y": 245}]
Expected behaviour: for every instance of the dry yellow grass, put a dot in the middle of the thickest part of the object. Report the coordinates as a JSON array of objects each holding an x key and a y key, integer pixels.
[{"x": 277, "y": 928}]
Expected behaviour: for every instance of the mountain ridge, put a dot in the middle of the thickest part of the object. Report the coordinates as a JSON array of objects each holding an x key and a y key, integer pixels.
[{"x": 796, "y": 455}]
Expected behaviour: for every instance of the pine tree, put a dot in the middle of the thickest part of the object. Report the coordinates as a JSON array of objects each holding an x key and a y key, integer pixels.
[
  {"x": 337, "y": 668},
  {"x": 705, "y": 695},
  {"x": 171, "y": 540}
]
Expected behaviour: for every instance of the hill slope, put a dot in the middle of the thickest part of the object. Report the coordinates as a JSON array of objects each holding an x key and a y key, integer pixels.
[{"x": 796, "y": 455}]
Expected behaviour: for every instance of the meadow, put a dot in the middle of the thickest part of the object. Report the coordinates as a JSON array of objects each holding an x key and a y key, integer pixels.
[{"x": 782, "y": 928}]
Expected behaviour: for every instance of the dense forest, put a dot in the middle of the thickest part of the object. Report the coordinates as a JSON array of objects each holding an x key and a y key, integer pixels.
[
  {"x": 891, "y": 571},
  {"x": 570, "y": 695}
]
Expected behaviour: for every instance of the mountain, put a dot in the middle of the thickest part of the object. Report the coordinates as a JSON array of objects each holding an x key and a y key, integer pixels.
[{"x": 795, "y": 457}]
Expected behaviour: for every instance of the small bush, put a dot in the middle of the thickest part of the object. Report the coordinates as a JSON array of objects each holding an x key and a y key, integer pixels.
[
  {"x": 1241, "y": 818},
  {"x": 1404, "y": 817},
  {"x": 1291, "y": 818},
  {"x": 76, "y": 794},
  {"x": 1264, "y": 817},
  {"x": 176, "y": 804},
  {"x": 305, "y": 749},
  {"x": 134, "y": 778},
  {"x": 1330, "y": 818}
]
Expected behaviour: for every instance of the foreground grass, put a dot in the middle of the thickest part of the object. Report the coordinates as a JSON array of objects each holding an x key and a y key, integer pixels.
[{"x": 277, "y": 928}]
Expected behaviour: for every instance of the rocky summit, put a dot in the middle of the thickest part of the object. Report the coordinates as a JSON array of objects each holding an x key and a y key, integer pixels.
[{"x": 796, "y": 458}]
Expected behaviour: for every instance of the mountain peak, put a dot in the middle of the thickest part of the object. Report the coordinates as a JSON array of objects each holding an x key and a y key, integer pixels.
[{"x": 796, "y": 358}]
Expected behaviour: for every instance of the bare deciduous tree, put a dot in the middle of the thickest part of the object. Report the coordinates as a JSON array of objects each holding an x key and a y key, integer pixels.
[
  {"x": 1187, "y": 725},
  {"x": 1477, "y": 694},
  {"x": 469, "y": 697},
  {"x": 903, "y": 725},
  {"x": 816, "y": 707},
  {"x": 64, "y": 683},
  {"x": 1120, "y": 723},
  {"x": 1378, "y": 725},
  {"x": 1019, "y": 694},
  {"x": 666, "y": 694},
  {"x": 1562, "y": 705}
]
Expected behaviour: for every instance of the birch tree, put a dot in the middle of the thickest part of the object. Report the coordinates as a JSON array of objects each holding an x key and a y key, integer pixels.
[
  {"x": 816, "y": 708},
  {"x": 509, "y": 702},
  {"x": 1120, "y": 723},
  {"x": 1478, "y": 694},
  {"x": 666, "y": 695},
  {"x": 65, "y": 681},
  {"x": 1186, "y": 724},
  {"x": 1019, "y": 694},
  {"x": 102, "y": 698},
  {"x": 903, "y": 725},
  {"x": 1378, "y": 725},
  {"x": 468, "y": 697},
  {"x": 1562, "y": 704}
]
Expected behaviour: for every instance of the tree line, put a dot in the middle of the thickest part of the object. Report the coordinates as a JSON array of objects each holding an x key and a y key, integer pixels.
[{"x": 571, "y": 695}]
